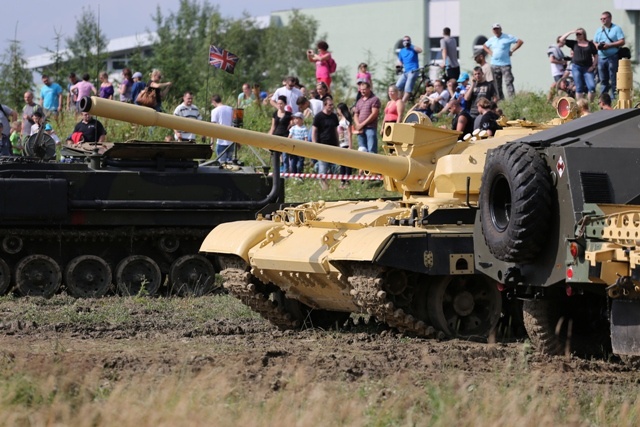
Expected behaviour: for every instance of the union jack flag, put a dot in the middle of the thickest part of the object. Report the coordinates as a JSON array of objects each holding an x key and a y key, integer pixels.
[{"x": 222, "y": 59}]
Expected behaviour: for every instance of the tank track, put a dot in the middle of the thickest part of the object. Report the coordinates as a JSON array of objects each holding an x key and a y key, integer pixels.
[
  {"x": 368, "y": 293},
  {"x": 238, "y": 282}
]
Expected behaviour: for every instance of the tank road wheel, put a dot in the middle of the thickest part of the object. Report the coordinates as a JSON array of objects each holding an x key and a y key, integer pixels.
[
  {"x": 38, "y": 275},
  {"x": 563, "y": 325},
  {"x": 136, "y": 273},
  {"x": 192, "y": 275},
  {"x": 87, "y": 276},
  {"x": 464, "y": 306},
  {"x": 5, "y": 277},
  {"x": 12, "y": 244},
  {"x": 515, "y": 202}
]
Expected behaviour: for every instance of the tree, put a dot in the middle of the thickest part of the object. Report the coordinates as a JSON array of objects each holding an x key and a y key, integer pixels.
[
  {"x": 88, "y": 46},
  {"x": 15, "y": 77},
  {"x": 59, "y": 69},
  {"x": 283, "y": 51},
  {"x": 266, "y": 55},
  {"x": 181, "y": 51}
]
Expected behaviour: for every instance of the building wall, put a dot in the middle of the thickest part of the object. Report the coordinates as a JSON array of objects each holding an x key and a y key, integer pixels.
[{"x": 538, "y": 23}]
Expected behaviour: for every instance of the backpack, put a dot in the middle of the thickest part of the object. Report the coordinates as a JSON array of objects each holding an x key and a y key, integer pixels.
[{"x": 332, "y": 65}]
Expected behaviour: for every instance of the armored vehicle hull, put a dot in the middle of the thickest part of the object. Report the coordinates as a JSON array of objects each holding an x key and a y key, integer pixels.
[
  {"x": 559, "y": 226},
  {"x": 131, "y": 216}
]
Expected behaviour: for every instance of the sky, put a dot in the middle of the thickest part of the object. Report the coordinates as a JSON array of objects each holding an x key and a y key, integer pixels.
[{"x": 38, "y": 20}]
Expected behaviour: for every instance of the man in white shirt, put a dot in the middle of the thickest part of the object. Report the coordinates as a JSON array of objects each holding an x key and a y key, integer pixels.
[
  {"x": 290, "y": 91},
  {"x": 222, "y": 115}
]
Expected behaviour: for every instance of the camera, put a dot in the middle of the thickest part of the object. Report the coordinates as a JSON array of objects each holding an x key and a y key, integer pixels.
[
  {"x": 601, "y": 45},
  {"x": 398, "y": 69}
]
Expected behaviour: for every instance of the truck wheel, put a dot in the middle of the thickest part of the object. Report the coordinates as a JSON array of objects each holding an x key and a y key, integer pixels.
[
  {"x": 564, "y": 325},
  {"x": 546, "y": 326},
  {"x": 515, "y": 202}
]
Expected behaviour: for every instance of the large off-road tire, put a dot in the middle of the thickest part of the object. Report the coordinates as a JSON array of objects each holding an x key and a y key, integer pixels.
[
  {"x": 562, "y": 325},
  {"x": 515, "y": 202}
]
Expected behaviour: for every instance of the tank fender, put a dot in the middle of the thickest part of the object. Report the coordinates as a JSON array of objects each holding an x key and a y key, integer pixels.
[
  {"x": 236, "y": 238},
  {"x": 365, "y": 244}
]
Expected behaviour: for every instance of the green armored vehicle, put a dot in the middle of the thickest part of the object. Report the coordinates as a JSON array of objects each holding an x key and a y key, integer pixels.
[{"x": 133, "y": 215}]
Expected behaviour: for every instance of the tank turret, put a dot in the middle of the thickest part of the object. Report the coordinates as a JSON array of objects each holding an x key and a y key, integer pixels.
[{"x": 410, "y": 263}]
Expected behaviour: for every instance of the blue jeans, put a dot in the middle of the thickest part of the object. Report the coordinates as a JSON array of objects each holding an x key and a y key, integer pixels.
[
  {"x": 583, "y": 78},
  {"x": 224, "y": 156},
  {"x": 368, "y": 138},
  {"x": 325, "y": 167},
  {"x": 608, "y": 72},
  {"x": 407, "y": 80}
]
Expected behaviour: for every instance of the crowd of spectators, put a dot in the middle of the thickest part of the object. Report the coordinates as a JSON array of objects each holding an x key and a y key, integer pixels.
[{"x": 470, "y": 99}]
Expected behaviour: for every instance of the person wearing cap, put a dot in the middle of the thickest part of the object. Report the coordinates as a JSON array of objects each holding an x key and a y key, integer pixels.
[
  {"x": 499, "y": 47},
  {"x": 461, "y": 90},
  {"x": 298, "y": 132},
  {"x": 48, "y": 129},
  {"x": 408, "y": 59},
  {"x": 137, "y": 86},
  {"x": 449, "y": 49},
  {"x": 365, "y": 118},
  {"x": 480, "y": 56}
]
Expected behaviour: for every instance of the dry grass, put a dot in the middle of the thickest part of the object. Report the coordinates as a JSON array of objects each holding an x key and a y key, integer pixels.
[{"x": 56, "y": 394}]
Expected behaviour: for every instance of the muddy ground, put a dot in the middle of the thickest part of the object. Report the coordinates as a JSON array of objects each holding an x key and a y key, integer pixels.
[{"x": 160, "y": 340}]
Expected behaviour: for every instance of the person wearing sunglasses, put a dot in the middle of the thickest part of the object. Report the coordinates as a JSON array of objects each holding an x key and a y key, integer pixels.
[
  {"x": 609, "y": 38},
  {"x": 583, "y": 63}
]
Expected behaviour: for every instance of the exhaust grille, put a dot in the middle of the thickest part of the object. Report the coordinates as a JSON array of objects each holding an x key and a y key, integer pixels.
[{"x": 595, "y": 187}]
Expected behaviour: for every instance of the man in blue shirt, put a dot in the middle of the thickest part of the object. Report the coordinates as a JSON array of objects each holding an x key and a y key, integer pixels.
[
  {"x": 499, "y": 47},
  {"x": 50, "y": 96},
  {"x": 609, "y": 38},
  {"x": 408, "y": 58}
]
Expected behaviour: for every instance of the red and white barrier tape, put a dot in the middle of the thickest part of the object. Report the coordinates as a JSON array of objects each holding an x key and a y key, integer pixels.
[{"x": 331, "y": 176}]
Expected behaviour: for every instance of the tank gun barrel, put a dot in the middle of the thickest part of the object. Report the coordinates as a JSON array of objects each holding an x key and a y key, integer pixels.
[{"x": 391, "y": 166}]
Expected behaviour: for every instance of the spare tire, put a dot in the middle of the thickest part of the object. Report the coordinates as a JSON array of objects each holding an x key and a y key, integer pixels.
[{"x": 515, "y": 202}]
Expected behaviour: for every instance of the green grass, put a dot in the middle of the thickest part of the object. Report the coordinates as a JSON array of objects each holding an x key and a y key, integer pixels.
[{"x": 121, "y": 311}]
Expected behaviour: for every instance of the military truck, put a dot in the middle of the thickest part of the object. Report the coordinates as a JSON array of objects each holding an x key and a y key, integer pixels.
[
  {"x": 131, "y": 214},
  {"x": 408, "y": 262},
  {"x": 558, "y": 225}
]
